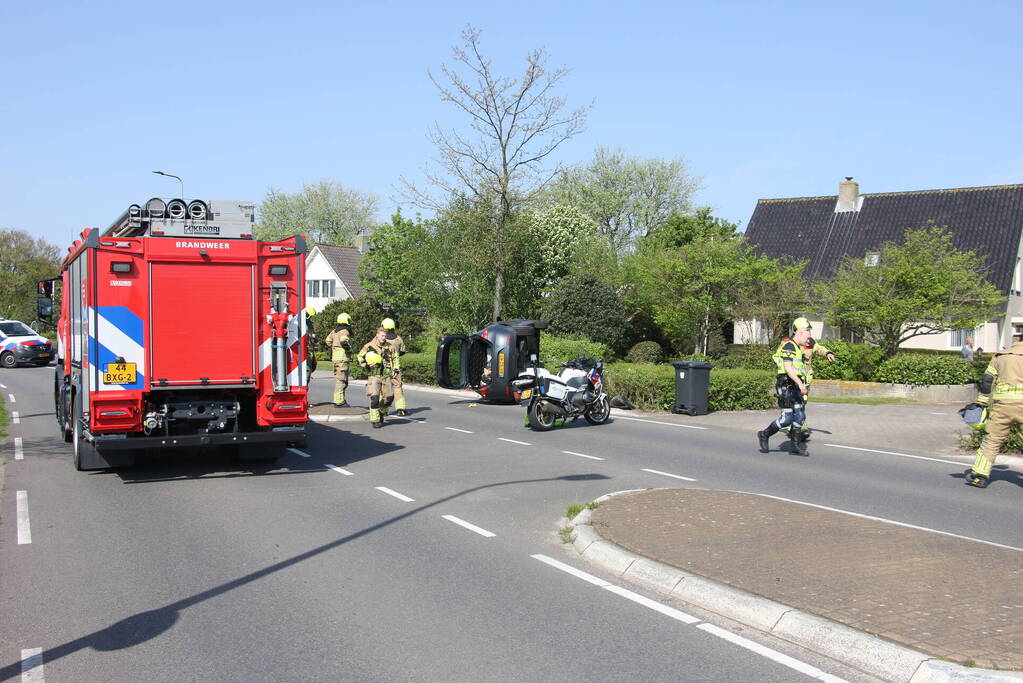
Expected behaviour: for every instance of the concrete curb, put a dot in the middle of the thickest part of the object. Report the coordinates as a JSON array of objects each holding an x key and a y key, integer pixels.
[{"x": 857, "y": 649}]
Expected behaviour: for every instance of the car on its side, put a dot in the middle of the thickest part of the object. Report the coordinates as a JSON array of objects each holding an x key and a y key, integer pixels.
[{"x": 19, "y": 343}]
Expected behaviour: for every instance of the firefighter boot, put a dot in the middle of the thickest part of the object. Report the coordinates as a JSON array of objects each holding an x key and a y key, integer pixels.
[
  {"x": 796, "y": 443},
  {"x": 980, "y": 474},
  {"x": 976, "y": 479},
  {"x": 764, "y": 435}
]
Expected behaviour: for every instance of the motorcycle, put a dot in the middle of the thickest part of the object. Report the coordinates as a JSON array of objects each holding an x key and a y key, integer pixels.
[{"x": 577, "y": 390}]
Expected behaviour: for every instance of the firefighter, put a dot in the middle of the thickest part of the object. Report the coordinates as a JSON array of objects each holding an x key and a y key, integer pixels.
[
  {"x": 339, "y": 341},
  {"x": 398, "y": 350},
  {"x": 790, "y": 386},
  {"x": 811, "y": 347},
  {"x": 1001, "y": 391},
  {"x": 311, "y": 340},
  {"x": 375, "y": 358}
]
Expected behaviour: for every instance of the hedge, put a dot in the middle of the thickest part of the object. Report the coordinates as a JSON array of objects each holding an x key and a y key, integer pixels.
[
  {"x": 925, "y": 369},
  {"x": 556, "y": 350},
  {"x": 652, "y": 387},
  {"x": 645, "y": 352}
]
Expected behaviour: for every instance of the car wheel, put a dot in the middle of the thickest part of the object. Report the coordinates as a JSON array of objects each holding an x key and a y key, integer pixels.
[{"x": 7, "y": 360}]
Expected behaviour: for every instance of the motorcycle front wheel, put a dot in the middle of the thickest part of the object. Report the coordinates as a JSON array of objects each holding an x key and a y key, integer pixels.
[
  {"x": 539, "y": 420},
  {"x": 599, "y": 411}
]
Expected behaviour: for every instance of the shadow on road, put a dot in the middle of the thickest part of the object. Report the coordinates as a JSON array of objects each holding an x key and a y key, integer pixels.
[
  {"x": 998, "y": 473},
  {"x": 143, "y": 626}
]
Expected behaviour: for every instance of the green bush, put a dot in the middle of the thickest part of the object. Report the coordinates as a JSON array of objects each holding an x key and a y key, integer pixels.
[
  {"x": 645, "y": 352},
  {"x": 748, "y": 357},
  {"x": 652, "y": 387},
  {"x": 925, "y": 369},
  {"x": 555, "y": 350},
  {"x": 1012, "y": 444},
  {"x": 852, "y": 361}
]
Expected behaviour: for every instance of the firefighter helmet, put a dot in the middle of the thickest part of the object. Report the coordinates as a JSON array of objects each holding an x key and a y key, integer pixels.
[
  {"x": 344, "y": 319},
  {"x": 374, "y": 358},
  {"x": 974, "y": 415},
  {"x": 800, "y": 324},
  {"x": 387, "y": 324},
  {"x": 309, "y": 311}
]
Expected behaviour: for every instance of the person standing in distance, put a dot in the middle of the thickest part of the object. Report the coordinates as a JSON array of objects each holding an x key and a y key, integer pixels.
[
  {"x": 375, "y": 358},
  {"x": 1001, "y": 390},
  {"x": 790, "y": 386},
  {"x": 311, "y": 340},
  {"x": 398, "y": 350},
  {"x": 339, "y": 341}
]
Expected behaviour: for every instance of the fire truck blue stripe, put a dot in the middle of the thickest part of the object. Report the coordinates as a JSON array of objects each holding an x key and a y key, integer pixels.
[
  {"x": 108, "y": 356},
  {"x": 123, "y": 319}
]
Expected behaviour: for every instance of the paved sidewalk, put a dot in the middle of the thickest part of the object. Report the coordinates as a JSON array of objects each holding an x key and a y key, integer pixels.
[{"x": 912, "y": 587}]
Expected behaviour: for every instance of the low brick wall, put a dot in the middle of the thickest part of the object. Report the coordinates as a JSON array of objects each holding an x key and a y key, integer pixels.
[{"x": 937, "y": 393}]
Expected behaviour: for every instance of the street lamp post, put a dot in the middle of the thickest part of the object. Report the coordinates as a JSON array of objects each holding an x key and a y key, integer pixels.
[{"x": 171, "y": 175}]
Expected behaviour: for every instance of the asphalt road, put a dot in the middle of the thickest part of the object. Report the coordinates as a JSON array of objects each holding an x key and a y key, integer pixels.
[{"x": 427, "y": 550}]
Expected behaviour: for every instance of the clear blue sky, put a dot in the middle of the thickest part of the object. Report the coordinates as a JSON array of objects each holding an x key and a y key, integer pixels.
[{"x": 763, "y": 99}]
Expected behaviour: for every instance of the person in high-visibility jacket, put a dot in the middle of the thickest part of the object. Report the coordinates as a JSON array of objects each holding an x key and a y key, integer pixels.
[
  {"x": 375, "y": 358},
  {"x": 811, "y": 347},
  {"x": 398, "y": 350},
  {"x": 340, "y": 343},
  {"x": 1001, "y": 390},
  {"x": 791, "y": 389}
]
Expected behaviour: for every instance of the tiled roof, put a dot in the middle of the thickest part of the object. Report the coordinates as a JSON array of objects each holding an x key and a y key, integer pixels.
[
  {"x": 987, "y": 220},
  {"x": 345, "y": 262}
]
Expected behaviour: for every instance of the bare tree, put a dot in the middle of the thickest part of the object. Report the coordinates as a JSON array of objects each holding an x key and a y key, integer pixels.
[{"x": 515, "y": 125}]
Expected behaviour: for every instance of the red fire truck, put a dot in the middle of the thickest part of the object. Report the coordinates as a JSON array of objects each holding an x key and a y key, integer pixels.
[{"x": 177, "y": 329}]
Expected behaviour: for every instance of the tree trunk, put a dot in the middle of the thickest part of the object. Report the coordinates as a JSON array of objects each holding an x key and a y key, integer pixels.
[{"x": 499, "y": 260}]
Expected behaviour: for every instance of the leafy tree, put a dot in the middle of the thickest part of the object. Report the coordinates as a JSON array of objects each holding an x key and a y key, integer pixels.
[
  {"x": 626, "y": 196},
  {"x": 366, "y": 316},
  {"x": 397, "y": 263},
  {"x": 326, "y": 212},
  {"x": 583, "y": 305},
  {"x": 681, "y": 229},
  {"x": 923, "y": 286},
  {"x": 555, "y": 237},
  {"x": 24, "y": 260},
  {"x": 515, "y": 124}
]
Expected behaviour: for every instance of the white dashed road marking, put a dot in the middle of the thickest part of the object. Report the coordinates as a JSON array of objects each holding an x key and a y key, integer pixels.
[
  {"x": 3, "y": 386},
  {"x": 655, "y": 422},
  {"x": 298, "y": 452},
  {"x": 11, "y": 396},
  {"x": 456, "y": 429},
  {"x": 470, "y": 527},
  {"x": 19, "y": 449},
  {"x": 521, "y": 443},
  {"x": 668, "y": 474},
  {"x": 15, "y": 419},
  {"x": 678, "y": 615},
  {"x": 582, "y": 455},
  {"x": 24, "y": 530},
  {"x": 395, "y": 494},
  {"x": 32, "y": 665},
  {"x": 339, "y": 470}
]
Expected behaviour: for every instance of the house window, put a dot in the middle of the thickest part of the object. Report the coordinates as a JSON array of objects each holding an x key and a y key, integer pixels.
[
  {"x": 959, "y": 337},
  {"x": 328, "y": 288},
  {"x": 312, "y": 288}
]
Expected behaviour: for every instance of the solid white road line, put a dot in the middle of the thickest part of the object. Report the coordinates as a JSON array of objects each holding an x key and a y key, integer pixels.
[
  {"x": 19, "y": 450},
  {"x": 653, "y": 604},
  {"x": 456, "y": 429},
  {"x": 339, "y": 470},
  {"x": 395, "y": 494},
  {"x": 761, "y": 650},
  {"x": 773, "y": 655},
  {"x": 901, "y": 455},
  {"x": 655, "y": 422},
  {"x": 32, "y": 665},
  {"x": 15, "y": 419},
  {"x": 521, "y": 443},
  {"x": 298, "y": 452},
  {"x": 889, "y": 521},
  {"x": 24, "y": 530},
  {"x": 667, "y": 474},
  {"x": 582, "y": 455},
  {"x": 471, "y": 527}
]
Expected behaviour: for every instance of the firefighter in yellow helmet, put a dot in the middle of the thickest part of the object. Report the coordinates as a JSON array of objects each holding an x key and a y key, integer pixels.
[
  {"x": 790, "y": 387},
  {"x": 311, "y": 340},
  {"x": 375, "y": 358},
  {"x": 1001, "y": 390},
  {"x": 398, "y": 350},
  {"x": 339, "y": 341}
]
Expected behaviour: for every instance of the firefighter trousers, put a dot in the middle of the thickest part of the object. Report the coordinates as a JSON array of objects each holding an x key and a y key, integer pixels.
[
  {"x": 1001, "y": 415},
  {"x": 396, "y": 392},
  {"x": 378, "y": 388},
  {"x": 340, "y": 382}
]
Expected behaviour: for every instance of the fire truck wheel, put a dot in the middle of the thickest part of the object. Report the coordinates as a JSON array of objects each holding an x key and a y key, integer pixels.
[{"x": 7, "y": 360}]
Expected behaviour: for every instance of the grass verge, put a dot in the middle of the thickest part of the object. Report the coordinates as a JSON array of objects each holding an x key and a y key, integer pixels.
[
  {"x": 3, "y": 418},
  {"x": 574, "y": 510}
]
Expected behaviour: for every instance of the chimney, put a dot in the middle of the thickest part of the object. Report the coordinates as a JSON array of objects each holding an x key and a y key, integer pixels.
[
  {"x": 360, "y": 242},
  {"x": 848, "y": 195}
]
